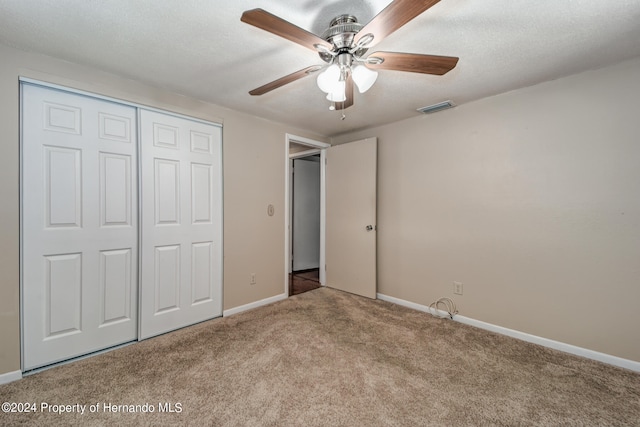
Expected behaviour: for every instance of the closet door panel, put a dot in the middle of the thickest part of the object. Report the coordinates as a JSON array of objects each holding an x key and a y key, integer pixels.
[
  {"x": 79, "y": 228},
  {"x": 181, "y": 247}
]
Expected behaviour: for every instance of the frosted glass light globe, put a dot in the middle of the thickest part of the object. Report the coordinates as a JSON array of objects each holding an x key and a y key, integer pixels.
[{"x": 364, "y": 78}]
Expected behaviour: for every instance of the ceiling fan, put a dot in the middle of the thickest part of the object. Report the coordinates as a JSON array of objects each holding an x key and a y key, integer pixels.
[{"x": 344, "y": 45}]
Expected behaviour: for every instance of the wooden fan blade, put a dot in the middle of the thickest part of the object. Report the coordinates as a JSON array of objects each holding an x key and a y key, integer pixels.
[
  {"x": 392, "y": 17},
  {"x": 266, "y": 21},
  {"x": 348, "y": 91},
  {"x": 414, "y": 63},
  {"x": 285, "y": 80}
]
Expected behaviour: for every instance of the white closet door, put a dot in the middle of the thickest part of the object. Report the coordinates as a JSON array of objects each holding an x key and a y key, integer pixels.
[
  {"x": 181, "y": 262},
  {"x": 79, "y": 225}
]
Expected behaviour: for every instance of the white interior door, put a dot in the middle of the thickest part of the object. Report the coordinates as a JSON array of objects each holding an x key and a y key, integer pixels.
[
  {"x": 306, "y": 213},
  {"x": 79, "y": 225},
  {"x": 181, "y": 261},
  {"x": 351, "y": 217}
]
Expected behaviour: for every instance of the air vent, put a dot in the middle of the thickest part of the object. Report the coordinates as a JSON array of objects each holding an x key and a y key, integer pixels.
[{"x": 436, "y": 107}]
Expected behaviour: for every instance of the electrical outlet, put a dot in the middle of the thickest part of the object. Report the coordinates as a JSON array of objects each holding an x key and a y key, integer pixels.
[
  {"x": 252, "y": 279},
  {"x": 457, "y": 288}
]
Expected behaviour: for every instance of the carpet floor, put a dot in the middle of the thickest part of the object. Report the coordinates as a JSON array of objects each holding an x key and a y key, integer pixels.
[{"x": 328, "y": 358}]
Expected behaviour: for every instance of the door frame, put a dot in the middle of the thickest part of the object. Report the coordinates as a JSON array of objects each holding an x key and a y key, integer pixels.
[{"x": 315, "y": 147}]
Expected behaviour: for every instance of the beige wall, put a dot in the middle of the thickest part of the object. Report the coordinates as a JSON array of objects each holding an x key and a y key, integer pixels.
[
  {"x": 254, "y": 165},
  {"x": 531, "y": 199}
]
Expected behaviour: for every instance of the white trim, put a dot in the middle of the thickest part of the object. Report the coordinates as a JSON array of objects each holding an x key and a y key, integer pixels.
[
  {"x": 305, "y": 141},
  {"x": 287, "y": 215},
  {"x": 404, "y": 303},
  {"x": 545, "y": 342},
  {"x": 10, "y": 377},
  {"x": 28, "y": 80},
  {"x": 254, "y": 304},
  {"x": 323, "y": 217},
  {"x": 21, "y": 224},
  {"x": 304, "y": 153},
  {"x": 315, "y": 147}
]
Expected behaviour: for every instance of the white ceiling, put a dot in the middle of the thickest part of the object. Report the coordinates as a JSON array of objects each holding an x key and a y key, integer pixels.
[{"x": 200, "y": 48}]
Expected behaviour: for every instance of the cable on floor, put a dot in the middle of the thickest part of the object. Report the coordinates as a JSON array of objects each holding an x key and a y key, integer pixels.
[{"x": 449, "y": 307}]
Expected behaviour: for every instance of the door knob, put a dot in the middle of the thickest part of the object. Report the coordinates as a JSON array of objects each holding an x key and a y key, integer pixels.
[{"x": 369, "y": 227}]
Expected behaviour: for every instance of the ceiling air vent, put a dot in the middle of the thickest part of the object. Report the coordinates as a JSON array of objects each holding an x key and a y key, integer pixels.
[{"x": 436, "y": 107}]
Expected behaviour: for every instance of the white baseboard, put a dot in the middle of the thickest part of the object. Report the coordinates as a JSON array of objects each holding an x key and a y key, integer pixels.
[
  {"x": 556, "y": 345},
  {"x": 10, "y": 377},
  {"x": 253, "y": 305}
]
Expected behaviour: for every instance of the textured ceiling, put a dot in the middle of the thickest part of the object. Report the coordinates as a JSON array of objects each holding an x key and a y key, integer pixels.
[{"x": 201, "y": 49}]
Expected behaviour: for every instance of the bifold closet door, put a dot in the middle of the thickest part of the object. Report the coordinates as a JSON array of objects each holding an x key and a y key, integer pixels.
[
  {"x": 181, "y": 262},
  {"x": 79, "y": 225}
]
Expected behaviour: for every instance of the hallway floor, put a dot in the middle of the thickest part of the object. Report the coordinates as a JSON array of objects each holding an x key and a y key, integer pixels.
[{"x": 303, "y": 281}]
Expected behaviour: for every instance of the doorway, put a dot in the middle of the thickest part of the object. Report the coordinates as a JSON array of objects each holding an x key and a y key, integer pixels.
[
  {"x": 305, "y": 224},
  {"x": 304, "y": 239},
  {"x": 345, "y": 222}
]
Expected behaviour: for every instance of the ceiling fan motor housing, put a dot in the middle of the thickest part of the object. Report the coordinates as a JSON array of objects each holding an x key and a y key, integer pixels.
[{"x": 341, "y": 33}]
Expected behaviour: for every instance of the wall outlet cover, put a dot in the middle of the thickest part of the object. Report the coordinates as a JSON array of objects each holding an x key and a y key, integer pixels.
[{"x": 457, "y": 288}]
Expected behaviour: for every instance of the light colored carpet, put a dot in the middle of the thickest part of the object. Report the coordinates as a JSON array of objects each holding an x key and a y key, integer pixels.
[{"x": 328, "y": 358}]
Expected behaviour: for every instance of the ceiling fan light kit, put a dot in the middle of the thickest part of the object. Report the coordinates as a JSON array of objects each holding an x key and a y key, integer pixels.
[
  {"x": 344, "y": 46},
  {"x": 337, "y": 92},
  {"x": 364, "y": 78},
  {"x": 332, "y": 80},
  {"x": 328, "y": 77}
]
